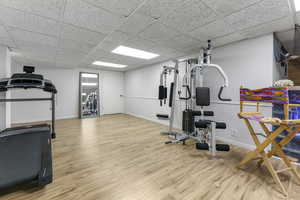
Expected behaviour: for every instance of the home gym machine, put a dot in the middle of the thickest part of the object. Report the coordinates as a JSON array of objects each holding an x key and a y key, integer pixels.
[
  {"x": 194, "y": 126},
  {"x": 26, "y": 152},
  {"x": 163, "y": 95}
]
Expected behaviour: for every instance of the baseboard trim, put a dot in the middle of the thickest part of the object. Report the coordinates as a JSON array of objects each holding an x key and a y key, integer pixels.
[
  {"x": 163, "y": 122},
  {"x": 236, "y": 143},
  {"x": 45, "y": 119}
]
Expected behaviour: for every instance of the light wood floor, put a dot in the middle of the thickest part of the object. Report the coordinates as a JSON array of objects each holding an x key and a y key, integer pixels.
[{"x": 120, "y": 157}]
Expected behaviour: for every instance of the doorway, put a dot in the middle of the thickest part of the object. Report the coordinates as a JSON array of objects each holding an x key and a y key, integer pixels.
[{"x": 89, "y": 95}]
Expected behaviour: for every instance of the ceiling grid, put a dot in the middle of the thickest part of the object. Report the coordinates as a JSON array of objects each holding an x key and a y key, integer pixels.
[{"x": 74, "y": 33}]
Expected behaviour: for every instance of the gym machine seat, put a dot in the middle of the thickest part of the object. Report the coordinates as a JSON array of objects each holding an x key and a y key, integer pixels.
[
  {"x": 25, "y": 156},
  {"x": 206, "y": 123}
]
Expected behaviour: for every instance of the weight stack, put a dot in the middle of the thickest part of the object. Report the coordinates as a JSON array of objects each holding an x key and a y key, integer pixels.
[{"x": 188, "y": 121}]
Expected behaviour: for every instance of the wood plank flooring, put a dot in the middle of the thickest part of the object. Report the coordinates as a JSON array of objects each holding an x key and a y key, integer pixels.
[{"x": 120, "y": 157}]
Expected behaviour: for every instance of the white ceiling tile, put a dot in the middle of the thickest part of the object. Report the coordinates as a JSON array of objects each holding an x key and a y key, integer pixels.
[
  {"x": 69, "y": 57},
  {"x": 181, "y": 42},
  {"x": 81, "y": 35},
  {"x": 225, "y": 7},
  {"x": 76, "y": 45},
  {"x": 140, "y": 43},
  {"x": 136, "y": 23},
  {"x": 274, "y": 26},
  {"x": 212, "y": 30},
  {"x": 113, "y": 40},
  {"x": 19, "y": 19},
  {"x": 157, "y": 32},
  {"x": 39, "y": 52},
  {"x": 34, "y": 62},
  {"x": 159, "y": 8},
  {"x": 276, "y": 8},
  {"x": 117, "y": 36},
  {"x": 193, "y": 50},
  {"x": 6, "y": 41},
  {"x": 228, "y": 39},
  {"x": 35, "y": 47},
  {"x": 189, "y": 16},
  {"x": 174, "y": 54},
  {"x": 128, "y": 60},
  {"x": 36, "y": 51},
  {"x": 163, "y": 51},
  {"x": 108, "y": 45},
  {"x": 43, "y": 56},
  {"x": 31, "y": 38},
  {"x": 87, "y": 16},
  {"x": 260, "y": 13},
  {"x": 48, "y": 8},
  {"x": 120, "y": 7},
  {"x": 146, "y": 45}
]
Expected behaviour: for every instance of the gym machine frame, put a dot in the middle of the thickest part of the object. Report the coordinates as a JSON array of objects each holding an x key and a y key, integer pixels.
[
  {"x": 190, "y": 87},
  {"x": 163, "y": 94}
]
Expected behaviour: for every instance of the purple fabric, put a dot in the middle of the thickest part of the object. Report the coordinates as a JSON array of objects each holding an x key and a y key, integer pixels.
[{"x": 271, "y": 95}]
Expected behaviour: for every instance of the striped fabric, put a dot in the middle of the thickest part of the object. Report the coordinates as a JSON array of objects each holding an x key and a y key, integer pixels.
[{"x": 271, "y": 95}]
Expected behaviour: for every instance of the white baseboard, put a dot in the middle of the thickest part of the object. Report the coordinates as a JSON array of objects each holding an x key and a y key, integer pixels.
[
  {"x": 43, "y": 119},
  {"x": 163, "y": 122},
  {"x": 222, "y": 139},
  {"x": 236, "y": 143}
]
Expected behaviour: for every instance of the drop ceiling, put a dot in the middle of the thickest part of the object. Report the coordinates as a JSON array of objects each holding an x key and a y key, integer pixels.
[{"x": 75, "y": 33}]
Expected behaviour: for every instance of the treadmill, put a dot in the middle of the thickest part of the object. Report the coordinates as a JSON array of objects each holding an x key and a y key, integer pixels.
[{"x": 26, "y": 151}]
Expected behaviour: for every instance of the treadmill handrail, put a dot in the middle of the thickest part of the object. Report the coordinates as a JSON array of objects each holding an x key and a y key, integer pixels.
[
  {"x": 42, "y": 86},
  {"x": 5, "y": 84}
]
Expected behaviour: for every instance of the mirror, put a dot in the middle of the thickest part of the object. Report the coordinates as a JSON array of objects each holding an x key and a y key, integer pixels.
[{"x": 89, "y": 95}]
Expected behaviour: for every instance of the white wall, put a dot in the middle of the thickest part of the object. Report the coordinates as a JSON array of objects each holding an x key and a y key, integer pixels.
[
  {"x": 67, "y": 84},
  {"x": 248, "y": 63},
  {"x": 5, "y": 69}
]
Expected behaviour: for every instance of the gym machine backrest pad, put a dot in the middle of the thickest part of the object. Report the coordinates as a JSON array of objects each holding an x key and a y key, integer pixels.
[
  {"x": 202, "y": 96},
  {"x": 25, "y": 155}
]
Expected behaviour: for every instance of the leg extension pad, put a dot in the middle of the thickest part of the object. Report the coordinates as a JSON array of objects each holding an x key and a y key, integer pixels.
[{"x": 202, "y": 146}]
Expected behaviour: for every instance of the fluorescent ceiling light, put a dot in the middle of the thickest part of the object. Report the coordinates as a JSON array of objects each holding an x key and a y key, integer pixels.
[
  {"x": 89, "y": 84},
  {"x": 85, "y": 75},
  {"x": 297, "y": 5},
  {"x": 108, "y": 64},
  {"x": 83, "y": 94},
  {"x": 127, "y": 51}
]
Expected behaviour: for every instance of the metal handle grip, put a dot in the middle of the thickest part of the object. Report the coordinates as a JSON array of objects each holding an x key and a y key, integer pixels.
[
  {"x": 189, "y": 93},
  {"x": 220, "y": 95}
]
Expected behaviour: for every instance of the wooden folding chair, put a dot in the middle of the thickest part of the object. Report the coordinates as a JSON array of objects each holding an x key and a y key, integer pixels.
[{"x": 291, "y": 127}]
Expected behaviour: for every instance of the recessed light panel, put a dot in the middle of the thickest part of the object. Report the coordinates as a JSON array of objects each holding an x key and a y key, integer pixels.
[
  {"x": 137, "y": 53},
  {"x": 108, "y": 64}
]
